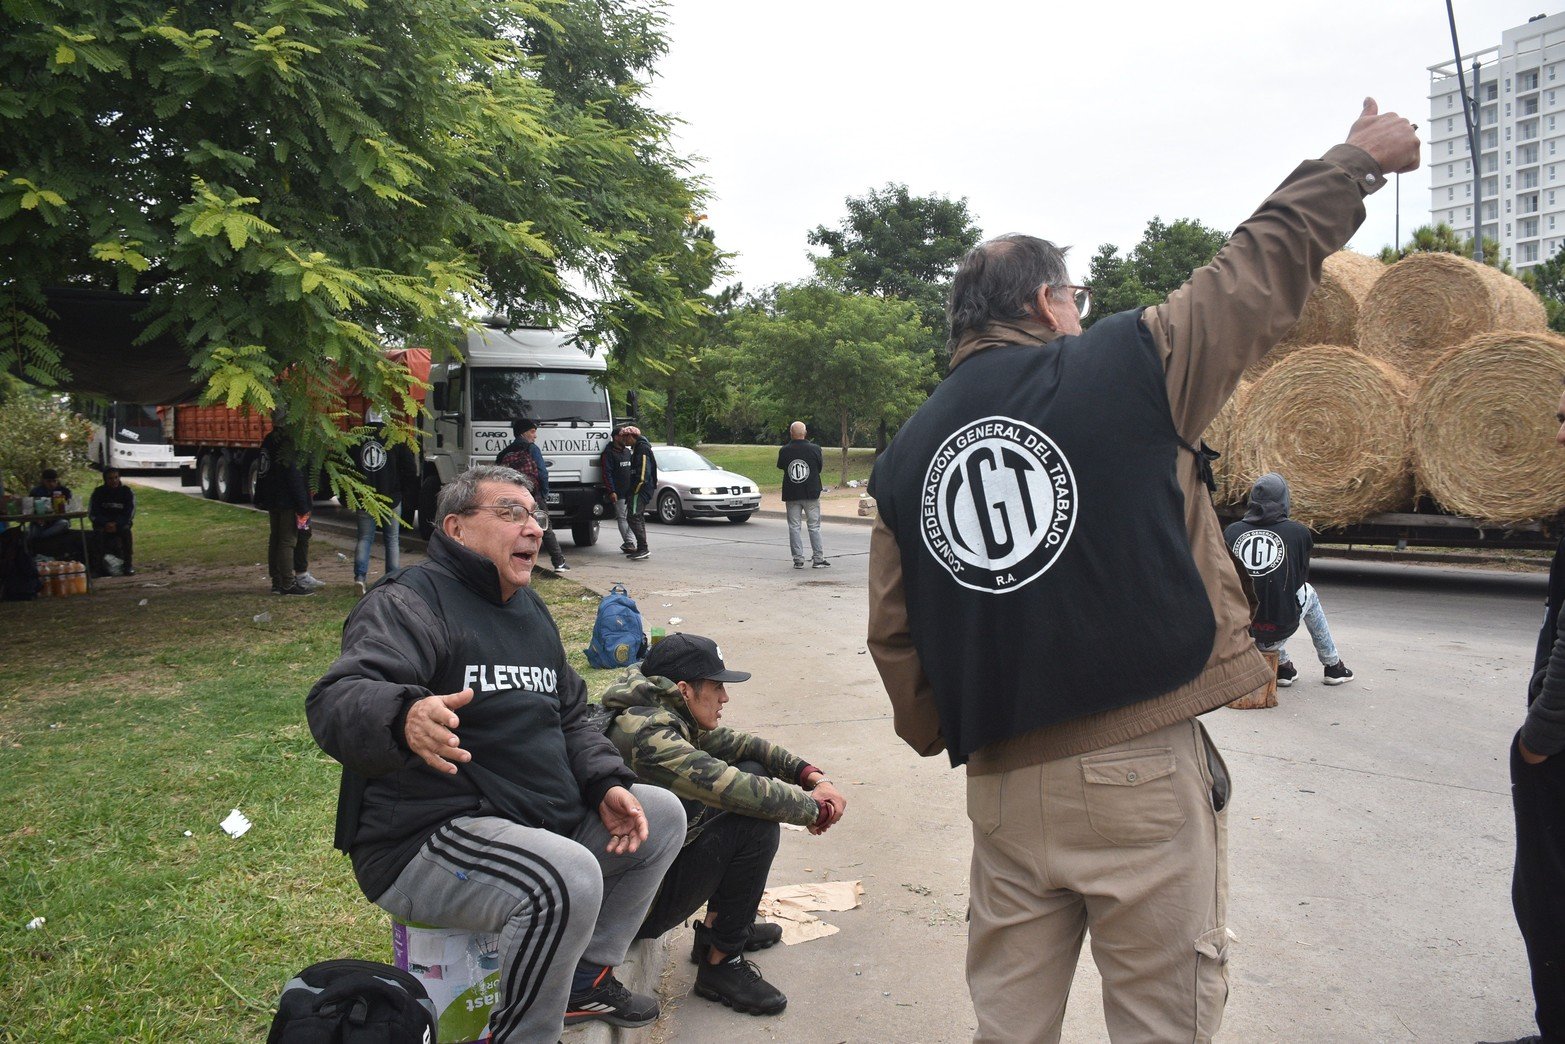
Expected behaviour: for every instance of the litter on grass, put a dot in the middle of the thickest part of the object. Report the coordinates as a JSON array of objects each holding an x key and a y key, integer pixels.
[
  {"x": 236, "y": 824},
  {"x": 35, "y": 924}
]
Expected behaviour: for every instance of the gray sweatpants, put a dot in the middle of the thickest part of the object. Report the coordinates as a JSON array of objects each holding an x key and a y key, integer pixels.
[{"x": 555, "y": 900}]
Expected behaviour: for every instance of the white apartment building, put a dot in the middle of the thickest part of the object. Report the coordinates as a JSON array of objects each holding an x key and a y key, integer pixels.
[{"x": 1521, "y": 131}]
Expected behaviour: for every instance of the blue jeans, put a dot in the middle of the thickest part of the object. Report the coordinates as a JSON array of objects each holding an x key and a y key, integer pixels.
[
  {"x": 1315, "y": 622},
  {"x": 801, "y": 512},
  {"x": 389, "y": 535}
]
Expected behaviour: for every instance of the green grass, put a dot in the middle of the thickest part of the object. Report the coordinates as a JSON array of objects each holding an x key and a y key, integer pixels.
[
  {"x": 759, "y": 464},
  {"x": 123, "y": 726}
]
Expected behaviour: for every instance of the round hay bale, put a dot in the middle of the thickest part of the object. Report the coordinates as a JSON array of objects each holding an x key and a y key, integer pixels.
[
  {"x": 1333, "y": 422},
  {"x": 1482, "y": 428},
  {"x": 1331, "y": 314},
  {"x": 1428, "y": 303},
  {"x": 1220, "y": 435}
]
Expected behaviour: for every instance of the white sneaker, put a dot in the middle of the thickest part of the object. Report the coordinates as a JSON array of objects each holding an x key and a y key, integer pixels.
[
  {"x": 308, "y": 582},
  {"x": 358, "y": 582}
]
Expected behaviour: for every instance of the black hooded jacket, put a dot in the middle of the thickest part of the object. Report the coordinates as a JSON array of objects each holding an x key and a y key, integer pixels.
[
  {"x": 1275, "y": 552},
  {"x": 439, "y": 627}
]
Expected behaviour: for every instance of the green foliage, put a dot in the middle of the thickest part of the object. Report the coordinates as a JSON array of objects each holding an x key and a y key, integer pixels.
[
  {"x": 1547, "y": 280},
  {"x": 815, "y": 351},
  {"x": 38, "y": 431},
  {"x": 297, "y": 184},
  {"x": 895, "y": 244},
  {"x": 1443, "y": 239},
  {"x": 1154, "y": 268}
]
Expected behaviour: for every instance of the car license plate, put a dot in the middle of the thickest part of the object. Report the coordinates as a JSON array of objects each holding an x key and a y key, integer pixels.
[{"x": 553, "y": 500}]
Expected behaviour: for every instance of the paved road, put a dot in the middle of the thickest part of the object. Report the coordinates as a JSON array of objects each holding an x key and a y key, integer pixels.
[{"x": 1371, "y": 829}]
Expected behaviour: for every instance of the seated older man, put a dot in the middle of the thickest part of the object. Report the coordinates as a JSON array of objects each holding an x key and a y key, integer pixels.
[
  {"x": 736, "y": 788},
  {"x": 476, "y": 794}
]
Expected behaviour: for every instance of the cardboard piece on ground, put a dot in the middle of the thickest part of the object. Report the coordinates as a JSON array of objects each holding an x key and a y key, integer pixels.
[{"x": 790, "y": 906}]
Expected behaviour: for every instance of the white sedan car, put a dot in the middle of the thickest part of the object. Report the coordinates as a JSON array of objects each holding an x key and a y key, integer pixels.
[{"x": 690, "y": 486}]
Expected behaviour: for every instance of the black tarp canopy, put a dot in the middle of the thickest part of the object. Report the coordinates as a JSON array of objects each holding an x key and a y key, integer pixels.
[{"x": 96, "y": 333}]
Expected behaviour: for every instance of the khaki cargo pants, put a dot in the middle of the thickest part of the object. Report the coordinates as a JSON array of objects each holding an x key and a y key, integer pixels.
[{"x": 1130, "y": 841}]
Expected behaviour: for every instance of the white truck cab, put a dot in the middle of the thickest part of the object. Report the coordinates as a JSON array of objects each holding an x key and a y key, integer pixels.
[{"x": 505, "y": 375}]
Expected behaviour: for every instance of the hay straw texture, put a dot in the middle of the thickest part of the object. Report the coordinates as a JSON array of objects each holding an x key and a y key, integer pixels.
[
  {"x": 1428, "y": 303},
  {"x": 1220, "y": 435},
  {"x": 1333, "y": 422},
  {"x": 1331, "y": 314},
  {"x": 1482, "y": 428}
]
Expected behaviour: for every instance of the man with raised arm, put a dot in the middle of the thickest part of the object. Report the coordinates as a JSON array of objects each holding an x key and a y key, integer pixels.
[{"x": 1052, "y": 604}]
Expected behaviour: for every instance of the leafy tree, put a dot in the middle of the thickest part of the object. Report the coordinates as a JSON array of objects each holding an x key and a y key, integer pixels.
[
  {"x": 1548, "y": 282},
  {"x": 38, "y": 431},
  {"x": 1443, "y": 239},
  {"x": 894, "y": 244},
  {"x": 817, "y": 351},
  {"x": 296, "y": 184},
  {"x": 1154, "y": 268}
]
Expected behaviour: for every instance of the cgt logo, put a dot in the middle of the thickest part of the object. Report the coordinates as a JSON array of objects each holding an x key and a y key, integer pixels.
[
  {"x": 998, "y": 505},
  {"x": 372, "y": 457},
  {"x": 1260, "y": 551},
  {"x": 798, "y": 471}
]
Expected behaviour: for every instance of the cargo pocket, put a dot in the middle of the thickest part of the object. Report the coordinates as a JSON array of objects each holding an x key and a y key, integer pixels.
[
  {"x": 983, "y": 801},
  {"x": 1130, "y": 796},
  {"x": 1211, "y": 981}
]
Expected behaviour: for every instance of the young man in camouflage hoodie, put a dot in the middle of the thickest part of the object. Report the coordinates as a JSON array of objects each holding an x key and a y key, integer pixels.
[{"x": 736, "y": 789}]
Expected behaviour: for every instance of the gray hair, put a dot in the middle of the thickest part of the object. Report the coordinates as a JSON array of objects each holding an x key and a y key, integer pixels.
[
  {"x": 997, "y": 281},
  {"x": 460, "y": 495}
]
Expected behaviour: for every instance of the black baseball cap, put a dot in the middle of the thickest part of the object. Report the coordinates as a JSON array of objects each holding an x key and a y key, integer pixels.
[{"x": 689, "y": 658}]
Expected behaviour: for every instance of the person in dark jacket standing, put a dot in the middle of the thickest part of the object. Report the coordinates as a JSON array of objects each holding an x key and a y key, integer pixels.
[
  {"x": 641, "y": 485},
  {"x": 614, "y": 463},
  {"x": 388, "y": 468},
  {"x": 280, "y": 491},
  {"x": 524, "y": 455},
  {"x": 1275, "y": 551},
  {"x": 1538, "y": 797},
  {"x": 800, "y": 462},
  {"x": 475, "y": 791},
  {"x": 112, "y": 509},
  {"x": 1051, "y": 602}
]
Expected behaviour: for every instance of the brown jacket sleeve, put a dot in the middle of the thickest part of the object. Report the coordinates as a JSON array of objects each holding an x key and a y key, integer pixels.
[
  {"x": 891, "y": 646},
  {"x": 1233, "y": 311}
]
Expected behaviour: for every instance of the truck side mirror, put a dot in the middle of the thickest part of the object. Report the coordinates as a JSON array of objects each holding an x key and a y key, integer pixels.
[{"x": 437, "y": 397}]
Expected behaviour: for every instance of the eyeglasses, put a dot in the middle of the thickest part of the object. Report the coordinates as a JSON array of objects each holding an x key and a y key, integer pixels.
[
  {"x": 1082, "y": 296},
  {"x": 516, "y": 514}
]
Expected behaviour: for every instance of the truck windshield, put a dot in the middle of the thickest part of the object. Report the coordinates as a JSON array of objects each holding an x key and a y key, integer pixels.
[
  {"x": 136, "y": 424},
  {"x": 501, "y": 395}
]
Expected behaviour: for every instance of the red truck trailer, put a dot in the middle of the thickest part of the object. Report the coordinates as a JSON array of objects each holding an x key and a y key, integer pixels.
[{"x": 226, "y": 443}]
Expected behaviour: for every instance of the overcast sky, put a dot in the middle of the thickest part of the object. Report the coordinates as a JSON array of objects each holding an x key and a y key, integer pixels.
[{"x": 1074, "y": 120}]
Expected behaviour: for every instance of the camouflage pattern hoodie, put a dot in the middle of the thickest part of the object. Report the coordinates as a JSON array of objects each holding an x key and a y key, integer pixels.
[{"x": 664, "y": 746}]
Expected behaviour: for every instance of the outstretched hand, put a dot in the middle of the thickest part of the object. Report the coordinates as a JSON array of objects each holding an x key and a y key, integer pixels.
[
  {"x": 1390, "y": 139},
  {"x": 430, "y": 730},
  {"x": 623, "y": 819}
]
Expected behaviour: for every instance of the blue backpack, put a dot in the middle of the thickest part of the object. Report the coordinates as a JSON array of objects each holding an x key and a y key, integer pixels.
[{"x": 617, "y": 637}]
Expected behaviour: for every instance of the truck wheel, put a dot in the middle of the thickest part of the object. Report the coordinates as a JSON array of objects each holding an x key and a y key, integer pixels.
[
  {"x": 227, "y": 477},
  {"x": 670, "y": 512},
  {"x": 252, "y": 476},
  {"x": 742, "y": 516},
  {"x": 208, "y": 467},
  {"x": 585, "y": 534},
  {"x": 427, "y": 494}
]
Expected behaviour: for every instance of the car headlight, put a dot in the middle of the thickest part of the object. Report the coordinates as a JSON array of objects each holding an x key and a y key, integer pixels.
[{"x": 703, "y": 491}]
